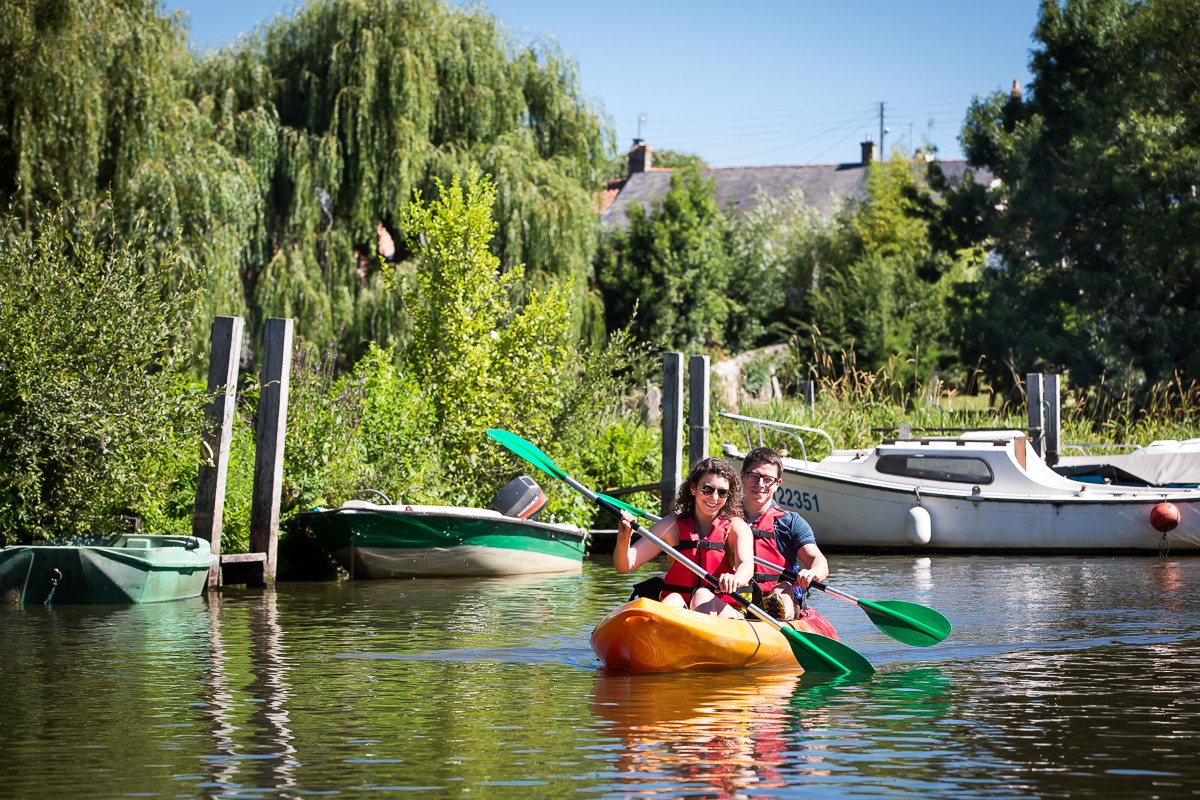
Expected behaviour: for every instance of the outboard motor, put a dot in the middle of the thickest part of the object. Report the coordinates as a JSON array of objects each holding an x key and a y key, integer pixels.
[{"x": 521, "y": 498}]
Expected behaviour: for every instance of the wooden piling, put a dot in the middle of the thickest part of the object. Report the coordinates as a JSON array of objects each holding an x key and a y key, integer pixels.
[
  {"x": 1051, "y": 385},
  {"x": 269, "y": 441},
  {"x": 698, "y": 401},
  {"x": 208, "y": 512},
  {"x": 1044, "y": 402},
  {"x": 672, "y": 428}
]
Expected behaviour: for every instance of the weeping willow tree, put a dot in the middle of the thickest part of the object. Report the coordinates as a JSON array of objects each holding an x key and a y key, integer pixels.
[
  {"x": 93, "y": 106},
  {"x": 354, "y": 106},
  {"x": 279, "y": 167}
]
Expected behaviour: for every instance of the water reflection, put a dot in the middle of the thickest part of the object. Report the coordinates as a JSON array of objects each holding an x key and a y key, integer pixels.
[
  {"x": 252, "y": 742},
  {"x": 922, "y": 573},
  {"x": 1167, "y": 582},
  {"x": 712, "y": 732},
  {"x": 747, "y": 733}
]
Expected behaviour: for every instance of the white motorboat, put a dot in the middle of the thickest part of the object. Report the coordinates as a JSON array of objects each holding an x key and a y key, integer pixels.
[{"x": 973, "y": 492}]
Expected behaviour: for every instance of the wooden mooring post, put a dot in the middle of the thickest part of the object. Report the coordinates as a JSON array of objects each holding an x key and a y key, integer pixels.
[
  {"x": 672, "y": 421},
  {"x": 256, "y": 568},
  {"x": 672, "y": 429},
  {"x": 209, "y": 510},
  {"x": 698, "y": 395}
]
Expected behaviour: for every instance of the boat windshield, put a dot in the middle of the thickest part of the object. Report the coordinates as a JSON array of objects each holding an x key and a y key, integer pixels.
[{"x": 953, "y": 469}]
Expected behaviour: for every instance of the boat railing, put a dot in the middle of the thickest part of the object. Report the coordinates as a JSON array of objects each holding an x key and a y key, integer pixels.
[
  {"x": 906, "y": 431},
  {"x": 754, "y": 423},
  {"x": 1086, "y": 449}
]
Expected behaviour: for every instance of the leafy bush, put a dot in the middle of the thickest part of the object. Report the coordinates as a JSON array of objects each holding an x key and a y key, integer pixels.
[{"x": 90, "y": 399}]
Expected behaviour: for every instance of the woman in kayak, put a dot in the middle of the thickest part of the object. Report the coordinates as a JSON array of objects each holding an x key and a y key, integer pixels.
[{"x": 707, "y": 527}]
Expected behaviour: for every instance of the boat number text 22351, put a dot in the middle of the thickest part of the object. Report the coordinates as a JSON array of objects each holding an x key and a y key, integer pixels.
[{"x": 800, "y": 501}]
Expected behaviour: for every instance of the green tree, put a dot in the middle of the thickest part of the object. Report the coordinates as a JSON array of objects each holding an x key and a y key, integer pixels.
[
  {"x": 671, "y": 265},
  {"x": 775, "y": 250},
  {"x": 93, "y": 105},
  {"x": 371, "y": 101},
  {"x": 1094, "y": 223},
  {"x": 90, "y": 392},
  {"x": 674, "y": 159},
  {"x": 879, "y": 287}
]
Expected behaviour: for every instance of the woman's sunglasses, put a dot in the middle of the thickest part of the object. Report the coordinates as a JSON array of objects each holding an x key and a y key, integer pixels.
[{"x": 708, "y": 490}]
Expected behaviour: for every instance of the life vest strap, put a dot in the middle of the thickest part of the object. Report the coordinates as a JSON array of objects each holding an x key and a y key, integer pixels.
[
  {"x": 700, "y": 544},
  {"x": 772, "y": 577}
]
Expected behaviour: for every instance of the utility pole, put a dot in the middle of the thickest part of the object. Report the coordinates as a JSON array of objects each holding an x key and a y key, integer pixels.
[{"x": 882, "y": 131}]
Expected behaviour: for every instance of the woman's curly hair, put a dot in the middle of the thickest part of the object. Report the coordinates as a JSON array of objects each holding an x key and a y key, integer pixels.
[{"x": 685, "y": 501}]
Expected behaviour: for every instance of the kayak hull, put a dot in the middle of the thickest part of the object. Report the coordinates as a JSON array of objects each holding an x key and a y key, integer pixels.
[{"x": 645, "y": 635}]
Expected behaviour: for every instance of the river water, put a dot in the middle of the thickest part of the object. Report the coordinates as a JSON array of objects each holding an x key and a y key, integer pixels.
[{"x": 1064, "y": 677}]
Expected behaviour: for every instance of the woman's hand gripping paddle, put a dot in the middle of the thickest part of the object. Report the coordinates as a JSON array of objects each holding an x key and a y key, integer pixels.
[
  {"x": 909, "y": 623},
  {"x": 813, "y": 652}
]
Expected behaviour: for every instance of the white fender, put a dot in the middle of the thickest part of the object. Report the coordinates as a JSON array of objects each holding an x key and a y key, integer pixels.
[{"x": 918, "y": 526}]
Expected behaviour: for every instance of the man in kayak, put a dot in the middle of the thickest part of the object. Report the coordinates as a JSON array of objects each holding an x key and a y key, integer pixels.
[
  {"x": 707, "y": 528},
  {"x": 780, "y": 537}
]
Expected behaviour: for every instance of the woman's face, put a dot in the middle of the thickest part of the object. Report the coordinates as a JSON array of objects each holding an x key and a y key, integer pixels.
[{"x": 711, "y": 493}]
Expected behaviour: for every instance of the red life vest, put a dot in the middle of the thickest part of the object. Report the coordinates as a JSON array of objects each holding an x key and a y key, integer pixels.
[
  {"x": 766, "y": 547},
  {"x": 708, "y": 552}
]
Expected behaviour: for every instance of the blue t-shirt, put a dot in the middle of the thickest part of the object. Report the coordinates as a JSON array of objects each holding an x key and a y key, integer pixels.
[{"x": 792, "y": 532}]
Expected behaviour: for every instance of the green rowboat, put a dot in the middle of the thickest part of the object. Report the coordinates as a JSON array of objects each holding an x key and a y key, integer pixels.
[
  {"x": 129, "y": 568},
  {"x": 406, "y": 541}
]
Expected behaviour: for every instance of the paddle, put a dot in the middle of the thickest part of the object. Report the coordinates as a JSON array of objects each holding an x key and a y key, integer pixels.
[
  {"x": 813, "y": 652},
  {"x": 909, "y": 623}
]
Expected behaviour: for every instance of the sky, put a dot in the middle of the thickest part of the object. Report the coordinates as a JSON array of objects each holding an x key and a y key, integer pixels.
[{"x": 755, "y": 82}]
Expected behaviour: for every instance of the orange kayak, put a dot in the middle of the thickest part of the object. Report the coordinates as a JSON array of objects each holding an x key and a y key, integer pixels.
[{"x": 646, "y": 636}]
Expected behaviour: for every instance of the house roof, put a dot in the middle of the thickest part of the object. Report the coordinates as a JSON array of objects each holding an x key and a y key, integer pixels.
[{"x": 825, "y": 186}]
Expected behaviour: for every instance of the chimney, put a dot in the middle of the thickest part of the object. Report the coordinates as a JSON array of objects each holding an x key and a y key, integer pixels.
[
  {"x": 639, "y": 157},
  {"x": 868, "y": 151},
  {"x": 1015, "y": 94}
]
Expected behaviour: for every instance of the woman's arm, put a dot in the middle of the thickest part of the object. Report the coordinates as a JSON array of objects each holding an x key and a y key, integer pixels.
[
  {"x": 742, "y": 540},
  {"x": 629, "y": 555}
]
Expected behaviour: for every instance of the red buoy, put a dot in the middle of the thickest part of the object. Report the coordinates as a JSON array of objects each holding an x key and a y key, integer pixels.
[{"x": 1164, "y": 517}]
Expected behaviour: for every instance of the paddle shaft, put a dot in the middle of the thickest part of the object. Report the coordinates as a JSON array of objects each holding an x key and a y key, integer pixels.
[{"x": 865, "y": 605}]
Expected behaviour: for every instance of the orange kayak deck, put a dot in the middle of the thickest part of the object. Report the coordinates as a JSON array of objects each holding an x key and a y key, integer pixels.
[{"x": 644, "y": 635}]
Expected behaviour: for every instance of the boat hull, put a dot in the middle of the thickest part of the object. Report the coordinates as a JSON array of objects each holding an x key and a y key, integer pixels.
[
  {"x": 645, "y": 635},
  {"x": 857, "y": 514},
  {"x": 118, "y": 569},
  {"x": 441, "y": 541}
]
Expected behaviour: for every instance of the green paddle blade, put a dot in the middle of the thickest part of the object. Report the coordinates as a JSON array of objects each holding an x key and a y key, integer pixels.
[
  {"x": 526, "y": 450},
  {"x": 817, "y": 653},
  {"x": 907, "y": 622},
  {"x": 621, "y": 504}
]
